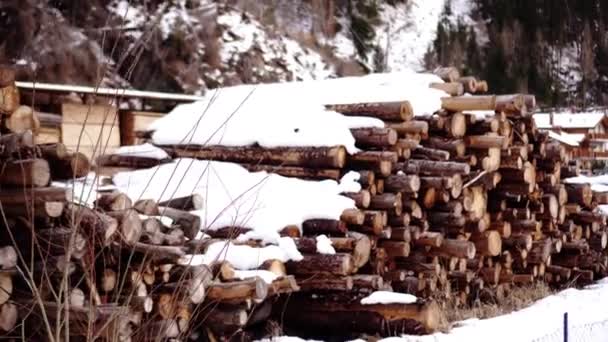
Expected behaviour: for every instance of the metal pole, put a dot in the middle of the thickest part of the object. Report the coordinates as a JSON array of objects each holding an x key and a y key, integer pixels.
[{"x": 565, "y": 327}]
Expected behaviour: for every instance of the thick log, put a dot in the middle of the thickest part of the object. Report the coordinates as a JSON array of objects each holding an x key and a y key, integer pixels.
[
  {"x": 434, "y": 167},
  {"x": 238, "y": 291},
  {"x": 410, "y": 127},
  {"x": 402, "y": 183},
  {"x": 448, "y": 74},
  {"x": 386, "y": 111},
  {"x": 130, "y": 225},
  {"x": 23, "y": 119},
  {"x": 387, "y": 201},
  {"x": 6, "y": 287},
  {"x": 8, "y": 316},
  {"x": 333, "y": 316},
  {"x": 97, "y": 226},
  {"x": 9, "y": 99},
  {"x": 337, "y": 264},
  {"x": 456, "y": 148},
  {"x": 488, "y": 243},
  {"x": 353, "y": 216},
  {"x": 116, "y": 201},
  {"x": 362, "y": 198},
  {"x": 395, "y": 249},
  {"x": 430, "y": 154},
  {"x": 75, "y": 165},
  {"x": 315, "y": 157},
  {"x": 374, "y": 137},
  {"x": 25, "y": 173},
  {"x": 458, "y": 248}
]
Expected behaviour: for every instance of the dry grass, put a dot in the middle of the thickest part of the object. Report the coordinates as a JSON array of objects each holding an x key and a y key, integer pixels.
[{"x": 517, "y": 298}]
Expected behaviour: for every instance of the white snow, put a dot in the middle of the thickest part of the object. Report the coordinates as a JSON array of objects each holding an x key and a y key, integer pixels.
[
  {"x": 569, "y": 119},
  {"x": 144, "y": 151},
  {"x": 543, "y": 321},
  {"x": 85, "y": 190},
  {"x": 291, "y": 114},
  {"x": 387, "y": 297},
  {"x": 267, "y": 276},
  {"x": 243, "y": 257},
  {"x": 165, "y": 220},
  {"x": 324, "y": 245},
  {"x": 570, "y": 139},
  {"x": 407, "y": 32},
  {"x": 261, "y": 201}
]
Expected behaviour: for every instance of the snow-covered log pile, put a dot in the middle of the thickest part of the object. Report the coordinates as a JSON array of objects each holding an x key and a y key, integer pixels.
[{"x": 342, "y": 207}]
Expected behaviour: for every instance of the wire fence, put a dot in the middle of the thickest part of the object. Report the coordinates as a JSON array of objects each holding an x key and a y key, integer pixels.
[{"x": 587, "y": 332}]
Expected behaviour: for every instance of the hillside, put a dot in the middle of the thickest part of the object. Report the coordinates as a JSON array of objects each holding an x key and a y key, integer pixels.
[{"x": 189, "y": 46}]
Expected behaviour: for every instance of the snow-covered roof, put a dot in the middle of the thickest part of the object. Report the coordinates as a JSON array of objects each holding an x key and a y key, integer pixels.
[
  {"x": 569, "y": 119},
  {"x": 569, "y": 139}
]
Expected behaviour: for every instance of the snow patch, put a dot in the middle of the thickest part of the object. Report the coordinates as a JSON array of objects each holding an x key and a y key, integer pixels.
[
  {"x": 267, "y": 276},
  {"x": 387, "y": 297},
  {"x": 144, "y": 151},
  {"x": 324, "y": 245},
  {"x": 261, "y": 201},
  {"x": 243, "y": 257}
]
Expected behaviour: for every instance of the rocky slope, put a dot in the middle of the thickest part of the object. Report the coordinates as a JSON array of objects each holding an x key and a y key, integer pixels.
[{"x": 556, "y": 49}]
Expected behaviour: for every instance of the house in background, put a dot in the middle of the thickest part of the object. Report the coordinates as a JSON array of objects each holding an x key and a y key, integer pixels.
[{"x": 585, "y": 133}]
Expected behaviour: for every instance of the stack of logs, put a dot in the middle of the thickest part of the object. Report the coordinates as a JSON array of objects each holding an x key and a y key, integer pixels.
[{"x": 460, "y": 205}]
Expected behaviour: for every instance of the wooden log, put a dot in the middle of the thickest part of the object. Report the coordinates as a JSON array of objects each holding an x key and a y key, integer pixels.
[
  {"x": 395, "y": 248},
  {"x": 13, "y": 144},
  {"x": 324, "y": 226},
  {"x": 76, "y": 165},
  {"x": 448, "y": 74},
  {"x": 387, "y": 201},
  {"x": 9, "y": 316},
  {"x": 386, "y": 111},
  {"x": 374, "y": 137},
  {"x": 452, "y": 88},
  {"x": 315, "y": 157},
  {"x": 430, "y": 153},
  {"x": 339, "y": 264},
  {"x": 362, "y": 198},
  {"x": 7, "y": 75},
  {"x": 128, "y": 161},
  {"x": 457, "y": 248},
  {"x": 130, "y": 226},
  {"x": 402, "y": 183},
  {"x": 455, "y": 147},
  {"x": 238, "y": 291},
  {"x": 324, "y": 283},
  {"x": 580, "y": 193},
  {"x": 410, "y": 127},
  {"x": 96, "y": 226},
  {"x": 25, "y": 173},
  {"x": 432, "y": 239},
  {"x": 434, "y": 167},
  {"x": 190, "y": 224},
  {"x": 8, "y": 258},
  {"x": 23, "y": 119},
  {"x": 469, "y": 83},
  {"x": 6, "y": 287},
  {"x": 116, "y": 201},
  {"x": 487, "y": 243},
  {"x": 353, "y": 216},
  {"x": 41, "y": 211},
  {"x": 9, "y": 99}
]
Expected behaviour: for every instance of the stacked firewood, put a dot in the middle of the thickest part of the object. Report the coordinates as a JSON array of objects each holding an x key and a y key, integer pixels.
[
  {"x": 117, "y": 269},
  {"x": 461, "y": 204}
]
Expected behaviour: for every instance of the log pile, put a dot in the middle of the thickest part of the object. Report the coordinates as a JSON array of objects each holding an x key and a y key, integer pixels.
[
  {"x": 462, "y": 205},
  {"x": 456, "y": 206}
]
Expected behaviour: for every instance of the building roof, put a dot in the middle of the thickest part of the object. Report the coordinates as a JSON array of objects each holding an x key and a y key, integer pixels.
[
  {"x": 569, "y": 139},
  {"x": 569, "y": 119}
]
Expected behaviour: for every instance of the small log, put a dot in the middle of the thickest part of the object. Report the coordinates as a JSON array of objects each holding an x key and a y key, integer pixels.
[
  {"x": 434, "y": 167},
  {"x": 454, "y": 147},
  {"x": 190, "y": 224},
  {"x": 448, "y": 74},
  {"x": 13, "y": 144},
  {"x": 146, "y": 207},
  {"x": 130, "y": 226},
  {"x": 324, "y": 226},
  {"x": 25, "y": 173},
  {"x": 321, "y": 283},
  {"x": 6, "y": 287},
  {"x": 9, "y": 99},
  {"x": 488, "y": 243},
  {"x": 127, "y": 161},
  {"x": 386, "y": 111},
  {"x": 374, "y": 137},
  {"x": 395, "y": 248},
  {"x": 452, "y": 88},
  {"x": 362, "y": 198},
  {"x": 8, "y": 316},
  {"x": 431, "y": 239},
  {"x": 8, "y": 258},
  {"x": 116, "y": 201},
  {"x": 457, "y": 248},
  {"x": 23, "y": 119}
]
